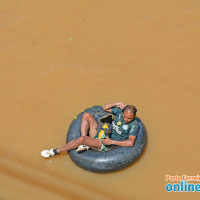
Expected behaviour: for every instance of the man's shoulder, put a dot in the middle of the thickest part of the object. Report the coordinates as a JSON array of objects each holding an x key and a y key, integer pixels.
[
  {"x": 134, "y": 123},
  {"x": 133, "y": 128}
]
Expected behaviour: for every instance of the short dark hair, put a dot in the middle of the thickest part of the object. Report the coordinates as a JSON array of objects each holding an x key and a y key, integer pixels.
[{"x": 131, "y": 108}]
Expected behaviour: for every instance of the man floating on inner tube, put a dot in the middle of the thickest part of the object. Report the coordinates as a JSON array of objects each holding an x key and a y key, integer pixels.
[{"x": 124, "y": 131}]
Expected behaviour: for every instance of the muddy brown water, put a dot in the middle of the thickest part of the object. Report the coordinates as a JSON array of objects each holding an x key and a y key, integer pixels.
[{"x": 60, "y": 57}]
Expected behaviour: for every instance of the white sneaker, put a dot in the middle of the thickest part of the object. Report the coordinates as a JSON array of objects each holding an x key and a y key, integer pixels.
[
  {"x": 49, "y": 153},
  {"x": 82, "y": 148}
]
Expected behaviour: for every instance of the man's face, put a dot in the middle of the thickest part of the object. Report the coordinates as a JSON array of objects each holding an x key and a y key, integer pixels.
[{"x": 128, "y": 117}]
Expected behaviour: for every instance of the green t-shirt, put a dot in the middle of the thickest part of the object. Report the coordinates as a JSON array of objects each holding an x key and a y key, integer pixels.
[{"x": 121, "y": 130}]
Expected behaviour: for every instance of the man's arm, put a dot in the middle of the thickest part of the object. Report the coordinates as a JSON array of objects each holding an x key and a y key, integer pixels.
[
  {"x": 125, "y": 143},
  {"x": 107, "y": 107}
]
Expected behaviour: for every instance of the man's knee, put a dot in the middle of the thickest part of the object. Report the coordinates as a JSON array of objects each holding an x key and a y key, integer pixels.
[
  {"x": 82, "y": 139},
  {"x": 86, "y": 116}
]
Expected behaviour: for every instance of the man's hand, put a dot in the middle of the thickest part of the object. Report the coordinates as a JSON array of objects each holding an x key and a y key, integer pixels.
[
  {"x": 106, "y": 141},
  {"x": 121, "y": 105}
]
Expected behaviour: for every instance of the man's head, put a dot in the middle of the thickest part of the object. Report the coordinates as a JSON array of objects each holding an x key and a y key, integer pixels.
[{"x": 129, "y": 113}]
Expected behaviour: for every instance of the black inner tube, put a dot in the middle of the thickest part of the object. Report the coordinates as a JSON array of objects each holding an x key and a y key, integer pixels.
[{"x": 110, "y": 161}]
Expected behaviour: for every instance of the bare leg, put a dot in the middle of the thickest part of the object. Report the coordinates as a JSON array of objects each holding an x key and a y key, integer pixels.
[
  {"x": 88, "y": 123},
  {"x": 86, "y": 140}
]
